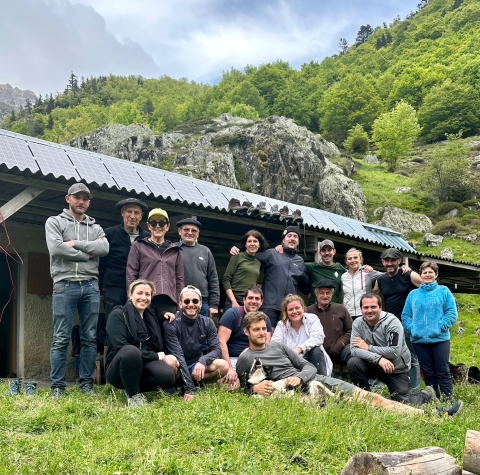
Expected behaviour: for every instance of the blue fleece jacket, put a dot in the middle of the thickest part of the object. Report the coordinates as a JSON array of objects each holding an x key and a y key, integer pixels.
[{"x": 429, "y": 313}]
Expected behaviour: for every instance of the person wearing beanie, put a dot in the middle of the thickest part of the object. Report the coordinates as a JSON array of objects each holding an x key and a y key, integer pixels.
[{"x": 284, "y": 273}]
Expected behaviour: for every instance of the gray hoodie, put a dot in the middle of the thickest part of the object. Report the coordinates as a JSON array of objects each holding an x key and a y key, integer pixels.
[
  {"x": 68, "y": 262},
  {"x": 386, "y": 339}
]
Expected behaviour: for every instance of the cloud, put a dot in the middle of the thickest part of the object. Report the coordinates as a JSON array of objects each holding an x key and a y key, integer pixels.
[{"x": 44, "y": 40}]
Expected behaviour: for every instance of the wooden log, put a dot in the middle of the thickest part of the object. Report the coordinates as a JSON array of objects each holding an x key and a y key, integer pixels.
[
  {"x": 471, "y": 453},
  {"x": 424, "y": 461}
]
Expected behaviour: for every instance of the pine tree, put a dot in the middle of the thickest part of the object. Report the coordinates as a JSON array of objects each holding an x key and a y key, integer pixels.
[
  {"x": 50, "y": 122},
  {"x": 363, "y": 34},
  {"x": 343, "y": 45},
  {"x": 28, "y": 105}
]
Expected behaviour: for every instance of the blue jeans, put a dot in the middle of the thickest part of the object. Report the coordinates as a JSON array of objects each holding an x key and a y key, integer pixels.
[
  {"x": 68, "y": 297},
  {"x": 205, "y": 308},
  {"x": 414, "y": 372}
]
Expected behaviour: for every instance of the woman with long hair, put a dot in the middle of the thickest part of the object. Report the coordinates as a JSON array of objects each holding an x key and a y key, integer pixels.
[
  {"x": 243, "y": 269},
  {"x": 302, "y": 332}
]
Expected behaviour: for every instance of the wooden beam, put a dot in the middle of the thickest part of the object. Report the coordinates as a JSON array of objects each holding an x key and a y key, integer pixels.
[{"x": 19, "y": 201}]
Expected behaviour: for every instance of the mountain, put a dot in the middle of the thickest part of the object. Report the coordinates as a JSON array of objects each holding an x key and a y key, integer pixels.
[{"x": 11, "y": 98}]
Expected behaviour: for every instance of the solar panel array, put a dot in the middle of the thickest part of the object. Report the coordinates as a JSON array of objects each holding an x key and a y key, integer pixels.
[{"x": 39, "y": 156}]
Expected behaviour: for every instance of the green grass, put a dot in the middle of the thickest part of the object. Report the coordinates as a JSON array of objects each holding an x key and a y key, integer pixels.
[{"x": 217, "y": 433}]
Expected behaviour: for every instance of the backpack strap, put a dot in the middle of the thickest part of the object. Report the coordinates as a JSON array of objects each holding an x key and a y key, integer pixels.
[{"x": 239, "y": 323}]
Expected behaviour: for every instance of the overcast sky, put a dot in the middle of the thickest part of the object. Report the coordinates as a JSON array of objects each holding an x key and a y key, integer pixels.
[{"x": 41, "y": 41}]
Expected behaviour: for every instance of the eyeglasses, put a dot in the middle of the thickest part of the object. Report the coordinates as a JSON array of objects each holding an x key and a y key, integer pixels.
[
  {"x": 194, "y": 301},
  {"x": 154, "y": 223},
  {"x": 190, "y": 230}
]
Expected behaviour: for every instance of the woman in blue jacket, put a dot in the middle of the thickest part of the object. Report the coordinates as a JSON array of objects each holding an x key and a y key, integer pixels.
[{"x": 429, "y": 313}]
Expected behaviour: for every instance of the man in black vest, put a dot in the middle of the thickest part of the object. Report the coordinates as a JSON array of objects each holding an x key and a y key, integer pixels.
[
  {"x": 395, "y": 287},
  {"x": 112, "y": 271}
]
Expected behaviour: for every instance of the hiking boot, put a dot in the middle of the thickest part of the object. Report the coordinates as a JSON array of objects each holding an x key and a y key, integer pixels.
[
  {"x": 57, "y": 393},
  {"x": 170, "y": 391},
  {"x": 428, "y": 394},
  {"x": 137, "y": 401},
  {"x": 87, "y": 388},
  {"x": 450, "y": 411},
  {"x": 31, "y": 388},
  {"x": 297, "y": 217},
  {"x": 14, "y": 389}
]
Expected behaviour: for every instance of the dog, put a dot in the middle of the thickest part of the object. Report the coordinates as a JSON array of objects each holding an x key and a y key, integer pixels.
[{"x": 314, "y": 390}]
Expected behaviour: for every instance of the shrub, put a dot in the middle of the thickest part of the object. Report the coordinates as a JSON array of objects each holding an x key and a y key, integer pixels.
[
  {"x": 444, "y": 208},
  {"x": 357, "y": 140},
  {"x": 448, "y": 226},
  {"x": 360, "y": 144},
  {"x": 470, "y": 203}
]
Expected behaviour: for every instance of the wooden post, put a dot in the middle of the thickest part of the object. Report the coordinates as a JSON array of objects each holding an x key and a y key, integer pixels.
[
  {"x": 471, "y": 453},
  {"x": 424, "y": 461},
  {"x": 19, "y": 201}
]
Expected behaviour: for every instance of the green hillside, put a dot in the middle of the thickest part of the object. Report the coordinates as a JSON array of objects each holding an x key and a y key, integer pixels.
[{"x": 430, "y": 59}]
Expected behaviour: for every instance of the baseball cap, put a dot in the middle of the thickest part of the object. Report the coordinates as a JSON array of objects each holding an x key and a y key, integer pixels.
[
  {"x": 158, "y": 212},
  {"x": 77, "y": 188},
  {"x": 191, "y": 288},
  {"x": 326, "y": 242}
]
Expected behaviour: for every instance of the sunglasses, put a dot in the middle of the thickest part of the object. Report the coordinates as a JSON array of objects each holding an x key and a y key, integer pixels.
[
  {"x": 194, "y": 301},
  {"x": 154, "y": 223}
]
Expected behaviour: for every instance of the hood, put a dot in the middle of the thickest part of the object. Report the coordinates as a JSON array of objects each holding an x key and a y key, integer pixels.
[{"x": 86, "y": 219}]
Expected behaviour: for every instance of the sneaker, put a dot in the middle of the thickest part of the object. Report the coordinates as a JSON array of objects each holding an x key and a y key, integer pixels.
[
  {"x": 14, "y": 389},
  {"x": 87, "y": 388},
  {"x": 450, "y": 411},
  {"x": 428, "y": 394},
  {"x": 170, "y": 391},
  {"x": 137, "y": 401},
  {"x": 30, "y": 388},
  {"x": 57, "y": 393}
]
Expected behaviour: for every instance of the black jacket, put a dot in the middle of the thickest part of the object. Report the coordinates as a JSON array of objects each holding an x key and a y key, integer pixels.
[
  {"x": 126, "y": 327},
  {"x": 112, "y": 270}
]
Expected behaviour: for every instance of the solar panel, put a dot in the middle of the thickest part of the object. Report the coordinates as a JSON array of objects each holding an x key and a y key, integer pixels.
[
  {"x": 91, "y": 168},
  {"x": 214, "y": 195},
  {"x": 53, "y": 160},
  {"x": 187, "y": 189},
  {"x": 125, "y": 175},
  {"x": 156, "y": 180},
  {"x": 15, "y": 153}
]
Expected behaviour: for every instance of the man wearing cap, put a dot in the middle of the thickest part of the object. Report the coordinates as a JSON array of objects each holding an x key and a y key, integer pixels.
[
  {"x": 158, "y": 260},
  {"x": 113, "y": 266},
  {"x": 335, "y": 319},
  {"x": 200, "y": 269},
  {"x": 75, "y": 244},
  {"x": 395, "y": 287},
  {"x": 187, "y": 336}
]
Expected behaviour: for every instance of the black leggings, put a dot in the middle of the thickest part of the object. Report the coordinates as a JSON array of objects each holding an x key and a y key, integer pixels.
[{"x": 128, "y": 371}]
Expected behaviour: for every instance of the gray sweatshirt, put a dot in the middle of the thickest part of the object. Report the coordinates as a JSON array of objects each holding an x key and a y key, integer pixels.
[
  {"x": 68, "y": 262},
  {"x": 386, "y": 339},
  {"x": 200, "y": 271},
  {"x": 280, "y": 361}
]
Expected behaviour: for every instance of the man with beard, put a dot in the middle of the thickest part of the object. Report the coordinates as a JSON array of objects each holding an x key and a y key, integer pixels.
[
  {"x": 75, "y": 244},
  {"x": 187, "y": 337},
  {"x": 233, "y": 340}
]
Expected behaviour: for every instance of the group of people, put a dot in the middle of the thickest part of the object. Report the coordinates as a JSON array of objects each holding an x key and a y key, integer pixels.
[{"x": 159, "y": 298}]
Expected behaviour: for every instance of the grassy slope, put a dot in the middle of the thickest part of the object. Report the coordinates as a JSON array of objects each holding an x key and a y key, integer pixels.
[{"x": 216, "y": 433}]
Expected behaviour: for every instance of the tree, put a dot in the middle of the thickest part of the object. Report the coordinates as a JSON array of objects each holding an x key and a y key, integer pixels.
[
  {"x": 363, "y": 34},
  {"x": 343, "y": 45},
  {"x": 447, "y": 176},
  {"x": 394, "y": 133},
  {"x": 449, "y": 108},
  {"x": 148, "y": 107},
  {"x": 124, "y": 113},
  {"x": 357, "y": 140},
  {"x": 28, "y": 106},
  {"x": 72, "y": 83},
  {"x": 244, "y": 110},
  {"x": 353, "y": 100},
  {"x": 422, "y": 4},
  {"x": 50, "y": 122}
]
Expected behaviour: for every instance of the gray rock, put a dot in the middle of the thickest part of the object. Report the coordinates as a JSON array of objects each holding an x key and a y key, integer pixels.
[
  {"x": 273, "y": 157},
  {"x": 402, "y": 189},
  {"x": 451, "y": 214},
  {"x": 371, "y": 159},
  {"x": 447, "y": 253},
  {"x": 403, "y": 221},
  {"x": 432, "y": 240},
  {"x": 478, "y": 168},
  {"x": 468, "y": 237}
]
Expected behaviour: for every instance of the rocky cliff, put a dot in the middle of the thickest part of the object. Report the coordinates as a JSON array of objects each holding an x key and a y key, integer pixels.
[
  {"x": 12, "y": 98},
  {"x": 273, "y": 157}
]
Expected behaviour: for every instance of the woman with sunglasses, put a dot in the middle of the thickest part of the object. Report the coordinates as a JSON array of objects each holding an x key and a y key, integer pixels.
[
  {"x": 243, "y": 269},
  {"x": 156, "y": 259},
  {"x": 135, "y": 359}
]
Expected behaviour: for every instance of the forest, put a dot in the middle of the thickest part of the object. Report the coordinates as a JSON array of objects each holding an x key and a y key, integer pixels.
[{"x": 430, "y": 60}]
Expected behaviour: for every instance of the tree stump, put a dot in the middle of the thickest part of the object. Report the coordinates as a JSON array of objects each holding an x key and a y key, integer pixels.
[
  {"x": 424, "y": 461},
  {"x": 471, "y": 453}
]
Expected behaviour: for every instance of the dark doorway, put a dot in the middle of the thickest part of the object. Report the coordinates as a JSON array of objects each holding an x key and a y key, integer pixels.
[{"x": 8, "y": 323}]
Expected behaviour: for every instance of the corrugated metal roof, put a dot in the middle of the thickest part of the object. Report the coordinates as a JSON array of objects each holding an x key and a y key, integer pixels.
[{"x": 46, "y": 158}]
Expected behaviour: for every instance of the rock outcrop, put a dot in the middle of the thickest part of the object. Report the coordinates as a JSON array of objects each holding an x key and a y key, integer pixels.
[
  {"x": 432, "y": 240},
  {"x": 403, "y": 221},
  {"x": 11, "y": 98},
  {"x": 273, "y": 157}
]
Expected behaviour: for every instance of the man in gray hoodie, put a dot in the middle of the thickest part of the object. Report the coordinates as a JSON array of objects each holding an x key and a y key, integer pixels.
[
  {"x": 75, "y": 244},
  {"x": 379, "y": 351}
]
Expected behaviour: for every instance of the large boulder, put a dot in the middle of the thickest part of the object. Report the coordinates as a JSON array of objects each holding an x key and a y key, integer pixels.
[
  {"x": 447, "y": 253},
  {"x": 273, "y": 157},
  {"x": 432, "y": 240},
  {"x": 403, "y": 221}
]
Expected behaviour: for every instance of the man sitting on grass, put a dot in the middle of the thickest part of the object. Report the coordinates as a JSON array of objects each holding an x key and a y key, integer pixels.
[{"x": 282, "y": 362}]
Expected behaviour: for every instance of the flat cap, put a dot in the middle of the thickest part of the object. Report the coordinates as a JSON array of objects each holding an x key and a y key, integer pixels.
[
  {"x": 77, "y": 188},
  {"x": 326, "y": 242},
  {"x": 324, "y": 284},
  {"x": 191, "y": 221},
  {"x": 132, "y": 201},
  {"x": 391, "y": 253}
]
